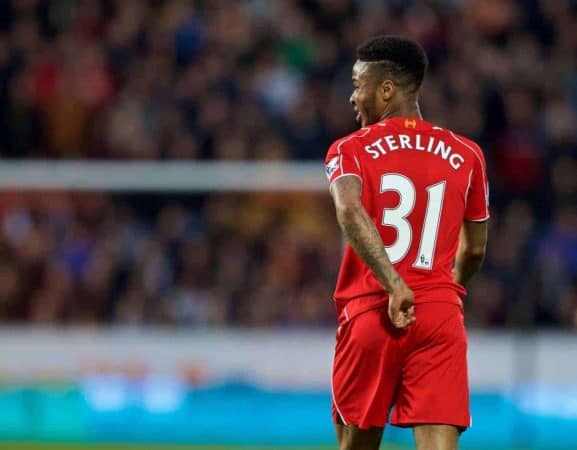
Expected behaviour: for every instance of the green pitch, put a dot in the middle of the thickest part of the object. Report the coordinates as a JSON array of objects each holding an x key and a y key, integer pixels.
[
  {"x": 12, "y": 446},
  {"x": 30, "y": 446},
  {"x": 15, "y": 446}
]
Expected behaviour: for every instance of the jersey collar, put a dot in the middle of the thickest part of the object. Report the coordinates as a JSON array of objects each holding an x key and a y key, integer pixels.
[{"x": 410, "y": 123}]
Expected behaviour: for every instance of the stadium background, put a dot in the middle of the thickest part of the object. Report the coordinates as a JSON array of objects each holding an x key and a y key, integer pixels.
[{"x": 203, "y": 316}]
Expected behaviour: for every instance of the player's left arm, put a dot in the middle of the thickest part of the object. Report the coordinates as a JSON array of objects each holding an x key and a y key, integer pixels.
[
  {"x": 362, "y": 234},
  {"x": 473, "y": 239},
  {"x": 471, "y": 251}
]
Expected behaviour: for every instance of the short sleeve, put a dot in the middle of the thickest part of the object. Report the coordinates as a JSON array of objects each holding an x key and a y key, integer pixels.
[
  {"x": 341, "y": 160},
  {"x": 477, "y": 208}
]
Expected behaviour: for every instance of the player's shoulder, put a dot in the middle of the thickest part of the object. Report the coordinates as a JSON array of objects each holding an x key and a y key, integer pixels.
[
  {"x": 466, "y": 143},
  {"x": 350, "y": 140}
]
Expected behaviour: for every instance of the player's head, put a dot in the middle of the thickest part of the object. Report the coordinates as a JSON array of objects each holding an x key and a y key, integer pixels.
[{"x": 389, "y": 71}]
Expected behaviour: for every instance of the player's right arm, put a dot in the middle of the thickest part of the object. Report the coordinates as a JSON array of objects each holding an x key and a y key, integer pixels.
[
  {"x": 471, "y": 252},
  {"x": 363, "y": 236}
]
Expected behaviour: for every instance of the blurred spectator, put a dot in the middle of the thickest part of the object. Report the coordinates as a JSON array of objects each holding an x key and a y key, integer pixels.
[
  {"x": 557, "y": 258},
  {"x": 71, "y": 266}
]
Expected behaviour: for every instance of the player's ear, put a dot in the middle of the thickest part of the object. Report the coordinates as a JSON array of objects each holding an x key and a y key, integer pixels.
[{"x": 387, "y": 89}]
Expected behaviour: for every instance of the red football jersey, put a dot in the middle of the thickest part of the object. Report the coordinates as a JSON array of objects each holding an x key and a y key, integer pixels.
[{"x": 419, "y": 182}]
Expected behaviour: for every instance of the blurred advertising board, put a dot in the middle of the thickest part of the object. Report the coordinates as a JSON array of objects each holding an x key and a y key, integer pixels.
[{"x": 157, "y": 385}]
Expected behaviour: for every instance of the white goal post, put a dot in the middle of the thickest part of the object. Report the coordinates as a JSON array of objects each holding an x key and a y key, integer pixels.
[{"x": 198, "y": 176}]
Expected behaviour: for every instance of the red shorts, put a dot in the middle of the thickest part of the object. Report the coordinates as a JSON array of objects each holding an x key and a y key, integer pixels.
[{"x": 421, "y": 372}]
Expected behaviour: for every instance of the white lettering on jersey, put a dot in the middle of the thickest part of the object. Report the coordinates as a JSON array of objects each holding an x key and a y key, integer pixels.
[
  {"x": 430, "y": 144},
  {"x": 405, "y": 141},
  {"x": 455, "y": 160},
  {"x": 369, "y": 149},
  {"x": 391, "y": 143}
]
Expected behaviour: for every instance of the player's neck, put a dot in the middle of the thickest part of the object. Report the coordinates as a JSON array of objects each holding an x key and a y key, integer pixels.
[{"x": 409, "y": 110}]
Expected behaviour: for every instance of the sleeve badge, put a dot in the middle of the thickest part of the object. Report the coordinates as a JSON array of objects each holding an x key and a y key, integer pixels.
[{"x": 332, "y": 166}]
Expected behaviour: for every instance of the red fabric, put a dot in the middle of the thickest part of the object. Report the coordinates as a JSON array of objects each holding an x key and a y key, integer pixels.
[
  {"x": 420, "y": 372},
  {"x": 393, "y": 158}
]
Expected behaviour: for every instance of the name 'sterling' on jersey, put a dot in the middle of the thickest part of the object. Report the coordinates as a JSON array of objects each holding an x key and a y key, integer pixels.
[{"x": 429, "y": 144}]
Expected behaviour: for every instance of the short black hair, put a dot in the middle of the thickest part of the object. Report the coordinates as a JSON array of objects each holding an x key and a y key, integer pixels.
[{"x": 401, "y": 58}]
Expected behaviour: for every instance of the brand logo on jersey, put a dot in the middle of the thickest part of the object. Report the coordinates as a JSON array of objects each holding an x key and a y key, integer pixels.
[
  {"x": 332, "y": 166},
  {"x": 410, "y": 123}
]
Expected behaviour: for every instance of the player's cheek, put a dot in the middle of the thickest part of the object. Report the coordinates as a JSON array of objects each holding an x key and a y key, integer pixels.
[{"x": 361, "y": 105}]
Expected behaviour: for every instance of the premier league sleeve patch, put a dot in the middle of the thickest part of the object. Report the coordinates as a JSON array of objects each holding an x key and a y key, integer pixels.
[{"x": 332, "y": 166}]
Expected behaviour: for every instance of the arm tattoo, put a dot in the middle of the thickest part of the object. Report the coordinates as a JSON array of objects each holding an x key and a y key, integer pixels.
[{"x": 362, "y": 234}]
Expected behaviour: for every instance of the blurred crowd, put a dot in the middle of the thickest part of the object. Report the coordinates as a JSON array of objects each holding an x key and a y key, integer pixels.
[
  {"x": 91, "y": 258},
  {"x": 269, "y": 80}
]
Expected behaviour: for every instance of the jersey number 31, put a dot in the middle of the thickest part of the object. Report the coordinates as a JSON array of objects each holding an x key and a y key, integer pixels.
[{"x": 397, "y": 218}]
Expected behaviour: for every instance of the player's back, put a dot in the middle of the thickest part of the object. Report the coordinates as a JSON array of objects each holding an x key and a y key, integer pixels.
[{"x": 419, "y": 183}]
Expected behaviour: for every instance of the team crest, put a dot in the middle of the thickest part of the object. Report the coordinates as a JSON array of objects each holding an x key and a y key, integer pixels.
[{"x": 332, "y": 166}]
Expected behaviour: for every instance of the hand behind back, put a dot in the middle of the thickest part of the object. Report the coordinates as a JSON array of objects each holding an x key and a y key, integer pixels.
[{"x": 401, "y": 305}]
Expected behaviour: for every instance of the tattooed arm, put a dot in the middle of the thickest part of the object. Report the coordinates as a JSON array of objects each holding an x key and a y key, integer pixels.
[{"x": 364, "y": 238}]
